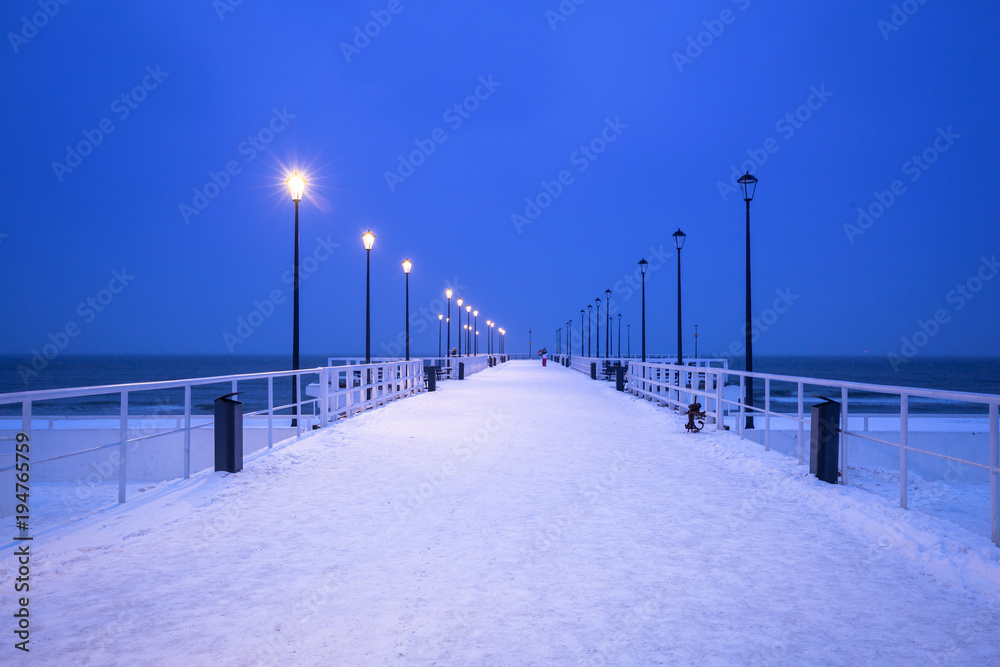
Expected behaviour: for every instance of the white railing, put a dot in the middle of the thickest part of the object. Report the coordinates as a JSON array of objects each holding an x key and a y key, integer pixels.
[
  {"x": 379, "y": 384},
  {"x": 674, "y": 385},
  {"x": 448, "y": 365},
  {"x": 582, "y": 364}
]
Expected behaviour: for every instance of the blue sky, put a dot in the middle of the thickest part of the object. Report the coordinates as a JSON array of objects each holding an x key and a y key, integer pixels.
[{"x": 626, "y": 121}]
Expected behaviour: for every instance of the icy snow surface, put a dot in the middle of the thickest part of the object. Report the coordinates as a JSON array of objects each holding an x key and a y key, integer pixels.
[{"x": 525, "y": 516}]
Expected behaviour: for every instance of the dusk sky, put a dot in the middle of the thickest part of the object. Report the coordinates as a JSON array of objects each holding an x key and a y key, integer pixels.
[{"x": 146, "y": 147}]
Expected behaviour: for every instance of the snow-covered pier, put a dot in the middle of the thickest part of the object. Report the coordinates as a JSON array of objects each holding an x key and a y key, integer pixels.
[{"x": 525, "y": 516}]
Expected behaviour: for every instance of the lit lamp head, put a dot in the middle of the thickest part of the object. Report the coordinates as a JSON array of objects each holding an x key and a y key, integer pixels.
[
  {"x": 679, "y": 237},
  {"x": 440, "y": 316},
  {"x": 749, "y": 185},
  {"x": 598, "y": 301},
  {"x": 468, "y": 309},
  {"x": 369, "y": 239},
  {"x": 475, "y": 313},
  {"x": 448, "y": 293},
  {"x": 590, "y": 308},
  {"x": 296, "y": 186},
  {"x": 407, "y": 265},
  {"x": 459, "y": 302},
  {"x": 608, "y": 292},
  {"x": 643, "y": 265}
]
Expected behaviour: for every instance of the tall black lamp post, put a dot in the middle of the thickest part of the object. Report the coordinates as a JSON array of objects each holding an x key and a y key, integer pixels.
[
  {"x": 643, "y": 265},
  {"x": 619, "y": 335},
  {"x": 628, "y": 351},
  {"x": 459, "y": 329},
  {"x": 696, "y": 341},
  {"x": 607, "y": 335},
  {"x": 468, "y": 330},
  {"x": 590, "y": 326},
  {"x": 407, "y": 265},
  {"x": 296, "y": 187},
  {"x": 582, "y": 327},
  {"x": 598, "y": 318},
  {"x": 679, "y": 238},
  {"x": 475, "y": 324},
  {"x": 440, "y": 319},
  {"x": 748, "y": 184},
  {"x": 369, "y": 240},
  {"x": 447, "y": 350}
]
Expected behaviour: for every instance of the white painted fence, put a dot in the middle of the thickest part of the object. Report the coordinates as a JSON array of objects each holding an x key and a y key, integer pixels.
[
  {"x": 675, "y": 386},
  {"x": 365, "y": 387}
]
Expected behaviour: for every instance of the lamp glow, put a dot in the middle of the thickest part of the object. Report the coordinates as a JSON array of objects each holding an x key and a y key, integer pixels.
[
  {"x": 296, "y": 186},
  {"x": 369, "y": 239},
  {"x": 407, "y": 265}
]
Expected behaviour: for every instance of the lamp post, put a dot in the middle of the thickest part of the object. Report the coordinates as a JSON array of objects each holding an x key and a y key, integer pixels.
[
  {"x": 459, "y": 329},
  {"x": 407, "y": 265},
  {"x": 582, "y": 327},
  {"x": 558, "y": 338},
  {"x": 590, "y": 326},
  {"x": 569, "y": 337},
  {"x": 447, "y": 350},
  {"x": 369, "y": 240},
  {"x": 529, "y": 344},
  {"x": 748, "y": 184},
  {"x": 619, "y": 335},
  {"x": 468, "y": 330},
  {"x": 440, "y": 318},
  {"x": 696, "y": 341},
  {"x": 628, "y": 328},
  {"x": 643, "y": 265},
  {"x": 475, "y": 326},
  {"x": 607, "y": 310},
  {"x": 296, "y": 187},
  {"x": 598, "y": 339},
  {"x": 679, "y": 238}
]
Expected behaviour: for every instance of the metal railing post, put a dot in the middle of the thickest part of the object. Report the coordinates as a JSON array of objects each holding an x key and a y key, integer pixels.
[
  {"x": 270, "y": 411},
  {"x": 324, "y": 397},
  {"x": 904, "y": 417},
  {"x": 187, "y": 431},
  {"x": 743, "y": 404},
  {"x": 298, "y": 405},
  {"x": 123, "y": 447},
  {"x": 843, "y": 435},
  {"x": 719, "y": 382},
  {"x": 767, "y": 414},
  {"x": 801, "y": 425},
  {"x": 994, "y": 474}
]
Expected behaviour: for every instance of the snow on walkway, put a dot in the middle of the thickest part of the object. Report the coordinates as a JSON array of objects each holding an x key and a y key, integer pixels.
[{"x": 525, "y": 516}]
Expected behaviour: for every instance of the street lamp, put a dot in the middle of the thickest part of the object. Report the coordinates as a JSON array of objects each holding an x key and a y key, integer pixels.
[
  {"x": 558, "y": 338},
  {"x": 748, "y": 184},
  {"x": 475, "y": 326},
  {"x": 679, "y": 238},
  {"x": 296, "y": 187},
  {"x": 447, "y": 350},
  {"x": 369, "y": 240},
  {"x": 582, "y": 327},
  {"x": 407, "y": 265},
  {"x": 440, "y": 318},
  {"x": 619, "y": 335},
  {"x": 459, "y": 329},
  {"x": 598, "y": 339},
  {"x": 643, "y": 265},
  {"x": 607, "y": 339},
  {"x": 696, "y": 341},
  {"x": 468, "y": 330},
  {"x": 590, "y": 326},
  {"x": 628, "y": 343}
]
